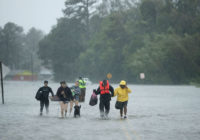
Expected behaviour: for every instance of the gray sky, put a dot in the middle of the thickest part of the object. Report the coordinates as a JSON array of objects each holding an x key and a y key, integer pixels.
[{"x": 41, "y": 14}]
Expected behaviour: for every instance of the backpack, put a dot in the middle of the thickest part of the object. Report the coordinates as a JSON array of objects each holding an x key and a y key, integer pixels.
[{"x": 38, "y": 96}]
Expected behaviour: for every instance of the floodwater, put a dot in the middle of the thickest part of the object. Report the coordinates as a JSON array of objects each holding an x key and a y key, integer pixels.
[{"x": 154, "y": 113}]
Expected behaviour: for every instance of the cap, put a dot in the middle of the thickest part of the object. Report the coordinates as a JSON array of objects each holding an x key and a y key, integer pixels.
[{"x": 45, "y": 81}]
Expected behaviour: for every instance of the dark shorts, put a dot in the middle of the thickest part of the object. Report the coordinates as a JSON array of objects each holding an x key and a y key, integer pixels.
[
  {"x": 76, "y": 97},
  {"x": 124, "y": 104},
  {"x": 65, "y": 102}
]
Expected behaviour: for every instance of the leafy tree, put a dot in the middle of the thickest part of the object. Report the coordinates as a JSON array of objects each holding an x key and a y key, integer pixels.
[
  {"x": 80, "y": 9},
  {"x": 31, "y": 48},
  {"x": 159, "y": 38},
  {"x": 18, "y": 47},
  {"x": 11, "y": 45},
  {"x": 63, "y": 45}
]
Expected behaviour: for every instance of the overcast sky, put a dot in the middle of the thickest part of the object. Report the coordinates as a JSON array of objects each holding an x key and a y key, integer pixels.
[{"x": 41, "y": 14}]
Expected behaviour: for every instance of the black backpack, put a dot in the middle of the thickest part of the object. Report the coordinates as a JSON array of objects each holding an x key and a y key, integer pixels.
[{"x": 38, "y": 96}]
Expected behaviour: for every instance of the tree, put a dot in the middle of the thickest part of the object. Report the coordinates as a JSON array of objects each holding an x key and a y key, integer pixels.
[
  {"x": 149, "y": 14},
  {"x": 32, "y": 39},
  {"x": 80, "y": 9},
  {"x": 19, "y": 50},
  {"x": 11, "y": 44},
  {"x": 159, "y": 38},
  {"x": 64, "y": 44}
]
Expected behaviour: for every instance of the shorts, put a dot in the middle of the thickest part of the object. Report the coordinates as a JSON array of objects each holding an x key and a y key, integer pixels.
[
  {"x": 124, "y": 104},
  {"x": 76, "y": 97},
  {"x": 65, "y": 102}
]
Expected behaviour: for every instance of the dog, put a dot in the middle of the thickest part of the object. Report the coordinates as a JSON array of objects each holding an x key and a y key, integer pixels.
[{"x": 77, "y": 111}]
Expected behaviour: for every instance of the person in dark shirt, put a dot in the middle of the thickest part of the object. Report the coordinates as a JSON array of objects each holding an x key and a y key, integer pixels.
[
  {"x": 106, "y": 91},
  {"x": 65, "y": 95},
  {"x": 44, "y": 100}
]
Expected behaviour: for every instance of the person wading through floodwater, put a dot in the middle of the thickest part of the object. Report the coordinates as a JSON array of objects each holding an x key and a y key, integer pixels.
[
  {"x": 82, "y": 86},
  {"x": 65, "y": 95},
  {"x": 106, "y": 91},
  {"x": 122, "y": 97},
  {"x": 76, "y": 90},
  {"x": 44, "y": 97}
]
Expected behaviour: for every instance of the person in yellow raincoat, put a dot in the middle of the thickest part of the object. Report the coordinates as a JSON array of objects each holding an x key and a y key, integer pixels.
[{"x": 122, "y": 97}]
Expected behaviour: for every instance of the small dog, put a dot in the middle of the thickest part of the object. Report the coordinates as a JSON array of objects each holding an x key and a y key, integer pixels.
[{"x": 77, "y": 111}]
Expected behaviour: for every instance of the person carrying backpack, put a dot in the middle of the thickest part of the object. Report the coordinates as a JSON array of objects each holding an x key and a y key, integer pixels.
[{"x": 43, "y": 96}]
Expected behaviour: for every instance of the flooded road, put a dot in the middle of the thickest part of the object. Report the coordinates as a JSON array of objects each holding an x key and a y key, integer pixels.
[{"x": 154, "y": 113}]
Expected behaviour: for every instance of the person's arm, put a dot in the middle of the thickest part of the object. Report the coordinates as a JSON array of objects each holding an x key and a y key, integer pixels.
[
  {"x": 98, "y": 91},
  {"x": 51, "y": 91},
  {"x": 70, "y": 94},
  {"x": 116, "y": 92},
  {"x": 58, "y": 93},
  {"x": 72, "y": 89},
  {"x": 84, "y": 83},
  {"x": 111, "y": 90},
  {"x": 128, "y": 90}
]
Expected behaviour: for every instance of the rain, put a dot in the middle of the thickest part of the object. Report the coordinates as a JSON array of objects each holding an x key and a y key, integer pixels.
[{"x": 90, "y": 69}]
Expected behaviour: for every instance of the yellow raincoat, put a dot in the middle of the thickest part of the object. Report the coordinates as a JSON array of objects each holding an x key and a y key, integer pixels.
[{"x": 122, "y": 94}]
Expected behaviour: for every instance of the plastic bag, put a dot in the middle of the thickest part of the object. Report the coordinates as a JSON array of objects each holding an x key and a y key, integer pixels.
[{"x": 93, "y": 99}]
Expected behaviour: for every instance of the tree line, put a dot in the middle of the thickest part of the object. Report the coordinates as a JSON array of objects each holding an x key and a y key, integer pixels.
[
  {"x": 160, "y": 38},
  {"x": 19, "y": 50}
]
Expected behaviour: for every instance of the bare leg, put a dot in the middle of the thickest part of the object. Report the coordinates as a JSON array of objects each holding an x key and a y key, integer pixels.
[
  {"x": 71, "y": 105},
  {"x": 121, "y": 112},
  {"x": 62, "y": 109},
  {"x": 125, "y": 110},
  {"x": 76, "y": 102},
  {"x": 65, "y": 108},
  {"x": 62, "y": 113}
]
